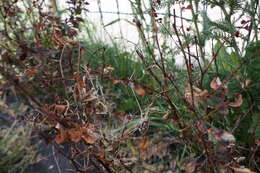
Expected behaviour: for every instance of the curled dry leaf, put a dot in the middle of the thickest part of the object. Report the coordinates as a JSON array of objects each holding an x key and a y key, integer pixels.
[
  {"x": 84, "y": 132},
  {"x": 215, "y": 83},
  {"x": 81, "y": 84},
  {"x": 75, "y": 134},
  {"x": 121, "y": 116},
  {"x": 155, "y": 28},
  {"x": 238, "y": 102},
  {"x": 101, "y": 155},
  {"x": 198, "y": 95},
  {"x": 143, "y": 145},
  {"x": 247, "y": 82},
  {"x": 239, "y": 159},
  {"x": 89, "y": 137},
  {"x": 189, "y": 7},
  {"x": 58, "y": 126},
  {"x": 61, "y": 137},
  {"x": 190, "y": 166},
  {"x": 88, "y": 133},
  {"x": 117, "y": 81},
  {"x": 203, "y": 94},
  {"x": 89, "y": 126},
  {"x": 108, "y": 70},
  {"x": 57, "y": 38},
  {"x": 140, "y": 91},
  {"x": 60, "y": 109},
  {"x": 242, "y": 170},
  {"x": 166, "y": 116},
  {"x": 31, "y": 72},
  {"x": 76, "y": 75}
]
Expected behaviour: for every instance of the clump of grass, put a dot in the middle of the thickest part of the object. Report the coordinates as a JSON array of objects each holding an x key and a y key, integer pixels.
[{"x": 16, "y": 149}]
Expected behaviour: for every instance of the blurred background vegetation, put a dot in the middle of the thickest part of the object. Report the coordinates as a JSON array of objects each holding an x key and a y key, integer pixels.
[{"x": 134, "y": 110}]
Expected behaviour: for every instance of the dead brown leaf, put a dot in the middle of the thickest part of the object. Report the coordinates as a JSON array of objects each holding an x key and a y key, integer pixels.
[
  {"x": 89, "y": 137},
  {"x": 190, "y": 166},
  {"x": 89, "y": 126},
  {"x": 31, "y": 72},
  {"x": 198, "y": 95},
  {"x": 121, "y": 115},
  {"x": 75, "y": 134},
  {"x": 117, "y": 81},
  {"x": 100, "y": 155},
  {"x": 59, "y": 109},
  {"x": 58, "y": 126},
  {"x": 189, "y": 7},
  {"x": 76, "y": 75},
  {"x": 215, "y": 83},
  {"x": 166, "y": 116},
  {"x": 140, "y": 91},
  {"x": 81, "y": 84},
  {"x": 144, "y": 143},
  {"x": 238, "y": 102},
  {"x": 242, "y": 170},
  {"x": 108, "y": 70},
  {"x": 61, "y": 137},
  {"x": 155, "y": 28},
  {"x": 247, "y": 82}
]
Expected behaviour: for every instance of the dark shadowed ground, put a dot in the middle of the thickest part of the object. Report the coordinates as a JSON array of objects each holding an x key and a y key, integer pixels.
[{"x": 49, "y": 163}]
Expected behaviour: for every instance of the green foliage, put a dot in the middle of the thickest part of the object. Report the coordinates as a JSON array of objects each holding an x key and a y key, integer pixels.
[
  {"x": 233, "y": 4},
  {"x": 252, "y": 58},
  {"x": 251, "y": 71},
  {"x": 223, "y": 58},
  {"x": 99, "y": 54},
  {"x": 225, "y": 61},
  {"x": 252, "y": 68},
  {"x": 112, "y": 22},
  {"x": 212, "y": 29}
]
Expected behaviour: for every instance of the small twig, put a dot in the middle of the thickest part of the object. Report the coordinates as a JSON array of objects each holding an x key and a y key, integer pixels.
[{"x": 56, "y": 160}]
